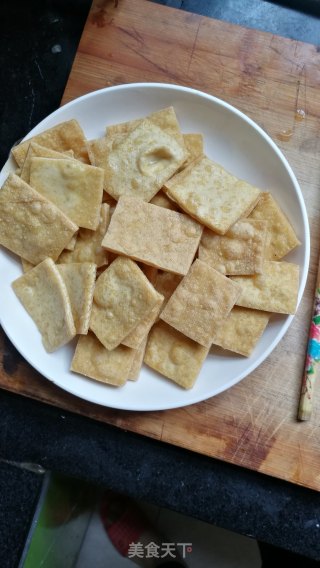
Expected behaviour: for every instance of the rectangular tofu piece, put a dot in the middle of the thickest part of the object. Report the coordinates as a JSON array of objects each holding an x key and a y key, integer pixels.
[
  {"x": 44, "y": 295},
  {"x": 200, "y": 303},
  {"x": 64, "y": 136},
  {"x": 30, "y": 225},
  {"x": 99, "y": 150},
  {"x": 240, "y": 251},
  {"x": 92, "y": 360},
  {"x": 174, "y": 355},
  {"x": 153, "y": 235},
  {"x": 123, "y": 297},
  {"x": 282, "y": 238},
  {"x": 164, "y": 118},
  {"x": 275, "y": 290},
  {"x": 75, "y": 188},
  {"x": 37, "y": 151},
  {"x": 143, "y": 162},
  {"x": 207, "y": 192},
  {"x": 241, "y": 330}
]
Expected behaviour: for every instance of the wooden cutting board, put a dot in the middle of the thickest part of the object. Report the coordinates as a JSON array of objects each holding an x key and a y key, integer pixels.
[{"x": 254, "y": 423}]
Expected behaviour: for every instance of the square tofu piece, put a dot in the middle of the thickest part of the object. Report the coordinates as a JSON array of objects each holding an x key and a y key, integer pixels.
[
  {"x": 210, "y": 194},
  {"x": 275, "y": 290},
  {"x": 174, "y": 355},
  {"x": 92, "y": 360},
  {"x": 88, "y": 247},
  {"x": 200, "y": 303},
  {"x": 282, "y": 238},
  {"x": 141, "y": 164},
  {"x": 31, "y": 226},
  {"x": 44, "y": 295},
  {"x": 239, "y": 251},
  {"x": 80, "y": 279},
  {"x": 165, "y": 119},
  {"x": 37, "y": 151},
  {"x": 153, "y": 235},
  {"x": 64, "y": 136},
  {"x": 241, "y": 330},
  {"x": 99, "y": 150},
  {"x": 74, "y": 187},
  {"x": 123, "y": 297}
]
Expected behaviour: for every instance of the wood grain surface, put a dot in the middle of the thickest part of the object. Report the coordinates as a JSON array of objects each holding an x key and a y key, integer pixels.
[{"x": 254, "y": 423}]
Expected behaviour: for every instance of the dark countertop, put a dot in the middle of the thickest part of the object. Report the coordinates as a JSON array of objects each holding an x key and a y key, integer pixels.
[{"x": 38, "y": 43}]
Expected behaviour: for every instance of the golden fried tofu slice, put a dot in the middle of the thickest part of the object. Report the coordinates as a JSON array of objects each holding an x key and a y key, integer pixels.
[
  {"x": 36, "y": 150},
  {"x": 138, "y": 334},
  {"x": 123, "y": 296},
  {"x": 241, "y": 330},
  {"x": 282, "y": 238},
  {"x": 88, "y": 247},
  {"x": 143, "y": 162},
  {"x": 64, "y": 136},
  {"x": 275, "y": 290},
  {"x": 240, "y": 251},
  {"x": 92, "y": 360},
  {"x": 200, "y": 303},
  {"x": 99, "y": 150},
  {"x": 123, "y": 128},
  {"x": 166, "y": 119},
  {"x": 207, "y": 192},
  {"x": 44, "y": 295},
  {"x": 153, "y": 235},
  {"x": 80, "y": 279},
  {"x": 174, "y": 355},
  {"x": 30, "y": 225},
  {"x": 75, "y": 188}
]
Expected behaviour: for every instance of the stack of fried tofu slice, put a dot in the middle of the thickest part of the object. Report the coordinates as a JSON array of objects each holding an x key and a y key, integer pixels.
[{"x": 144, "y": 248}]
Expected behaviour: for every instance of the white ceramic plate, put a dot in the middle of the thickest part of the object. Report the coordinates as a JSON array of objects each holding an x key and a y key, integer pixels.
[{"x": 244, "y": 149}]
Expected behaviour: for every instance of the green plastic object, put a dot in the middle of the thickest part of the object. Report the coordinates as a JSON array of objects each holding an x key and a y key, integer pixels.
[{"x": 59, "y": 524}]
